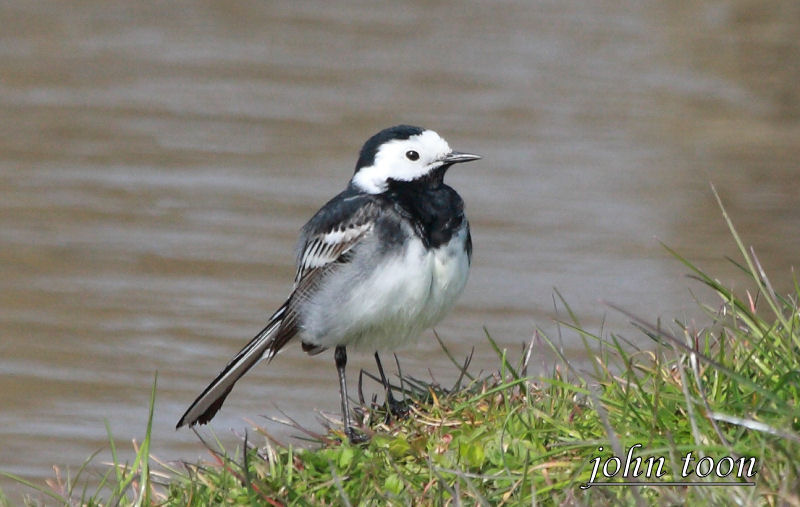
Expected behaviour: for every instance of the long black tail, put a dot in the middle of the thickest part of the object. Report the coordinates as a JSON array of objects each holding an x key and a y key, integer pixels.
[{"x": 264, "y": 345}]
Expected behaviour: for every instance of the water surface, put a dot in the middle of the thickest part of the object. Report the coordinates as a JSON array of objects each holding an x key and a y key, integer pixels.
[{"x": 158, "y": 159}]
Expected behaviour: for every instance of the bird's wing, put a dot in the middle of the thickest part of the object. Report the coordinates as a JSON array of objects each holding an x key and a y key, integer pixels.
[
  {"x": 333, "y": 232},
  {"x": 325, "y": 243}
]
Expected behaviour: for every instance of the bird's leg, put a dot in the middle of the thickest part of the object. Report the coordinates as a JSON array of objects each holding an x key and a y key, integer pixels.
[
  {"x": 389, "y": 396},
  {"x": 396, "y": 408},
  {"x": 340, "y": 356}
]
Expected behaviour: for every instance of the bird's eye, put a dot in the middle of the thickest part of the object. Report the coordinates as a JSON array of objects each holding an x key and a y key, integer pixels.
[{"x": 412, "y": 155}]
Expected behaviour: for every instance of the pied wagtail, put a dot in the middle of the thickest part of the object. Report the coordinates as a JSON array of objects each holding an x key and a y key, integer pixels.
[{"x": 377, "y": 265}]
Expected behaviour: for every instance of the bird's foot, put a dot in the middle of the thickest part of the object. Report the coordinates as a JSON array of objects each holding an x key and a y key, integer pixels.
[
  {"x": 355, "y": 437},
  {"x": 398, "y": 409}
]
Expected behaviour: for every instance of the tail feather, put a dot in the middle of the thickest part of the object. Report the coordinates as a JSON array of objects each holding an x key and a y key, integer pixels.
[{"x": 263, "y": 346}]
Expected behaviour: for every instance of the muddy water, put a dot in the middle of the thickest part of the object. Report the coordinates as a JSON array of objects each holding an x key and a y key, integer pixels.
[{"x": 157, "y": 160}]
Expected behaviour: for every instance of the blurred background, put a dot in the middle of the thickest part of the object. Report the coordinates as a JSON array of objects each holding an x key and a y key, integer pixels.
[{"x": 157, "y": 160}]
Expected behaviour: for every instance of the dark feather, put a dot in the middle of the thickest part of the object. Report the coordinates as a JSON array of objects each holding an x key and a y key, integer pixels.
[{"x": 325, "y": 242}]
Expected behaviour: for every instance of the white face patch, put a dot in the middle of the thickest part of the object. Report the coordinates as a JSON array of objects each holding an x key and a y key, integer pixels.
[{"x": 392, "y": 161}]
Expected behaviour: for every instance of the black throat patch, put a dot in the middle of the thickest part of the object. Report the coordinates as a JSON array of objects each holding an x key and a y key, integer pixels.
[{"x": 435, "y": 209}]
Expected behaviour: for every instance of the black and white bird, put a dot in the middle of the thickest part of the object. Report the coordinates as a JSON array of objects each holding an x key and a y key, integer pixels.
[{"x": 376, "y": 266}]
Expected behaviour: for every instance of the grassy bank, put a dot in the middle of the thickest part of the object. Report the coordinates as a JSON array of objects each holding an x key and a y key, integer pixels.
[{"x": 726, "y": 393}]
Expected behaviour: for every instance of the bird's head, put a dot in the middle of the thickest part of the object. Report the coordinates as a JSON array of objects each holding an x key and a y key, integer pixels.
[{"x": 404, "y": 154}]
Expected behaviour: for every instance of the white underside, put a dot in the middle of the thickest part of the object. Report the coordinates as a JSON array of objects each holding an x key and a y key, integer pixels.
[{"x": 411, "y": 292}]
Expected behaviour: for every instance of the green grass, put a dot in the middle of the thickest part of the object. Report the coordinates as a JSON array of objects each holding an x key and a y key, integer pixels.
[{"x": 730, "y": 389}]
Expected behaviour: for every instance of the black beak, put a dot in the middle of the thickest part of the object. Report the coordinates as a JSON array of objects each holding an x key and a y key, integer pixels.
[{"x": 456, "y": 157}]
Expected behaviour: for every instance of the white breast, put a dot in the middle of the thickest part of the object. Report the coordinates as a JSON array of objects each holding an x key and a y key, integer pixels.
[
  {"x": 450, "y": 269},
  {"x": 391, "y": 305}
]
